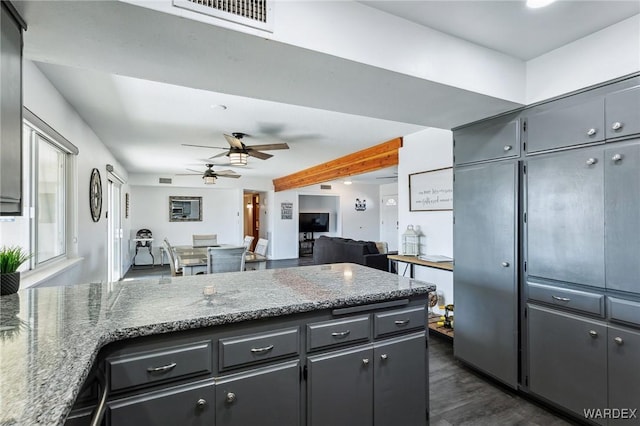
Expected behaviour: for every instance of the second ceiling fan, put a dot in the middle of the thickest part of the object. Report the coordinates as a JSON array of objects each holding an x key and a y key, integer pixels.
[{"x": 238, "y": 151}]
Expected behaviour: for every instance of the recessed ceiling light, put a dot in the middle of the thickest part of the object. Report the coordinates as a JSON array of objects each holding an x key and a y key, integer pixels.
[{"x": 535, "y": 4}]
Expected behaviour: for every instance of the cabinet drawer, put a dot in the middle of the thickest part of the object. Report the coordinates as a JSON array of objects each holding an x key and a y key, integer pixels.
[
  {"x": 577, "y": 300},
  {"x": 159, "y": 365},
  {"x": 398, "y": 321},
  {"x": 235, "y": 351},
  {"x": 625, "y": 311},
  {"x": 328, "y": 333}
]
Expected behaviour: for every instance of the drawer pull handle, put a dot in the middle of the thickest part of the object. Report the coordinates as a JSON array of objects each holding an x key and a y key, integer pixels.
[
  {"x": 341, "y": 333},
  {"x": 162, "y": 369},
  {"x": 616, "y": 126},
  {"x": 231, "y": 397},
  {"x": 593, "y": 333},
  {"x": 591, "y": 132},
  {"x": 507, "y": 148},
  {"x": 365, "y": 361},
  {"x": 561, "y": 299},
  {"x": 617, "y": 157},
  {"x": 261, "y": 350},
  {"x": 201, "y": 403},
  {"x": 402, "y": 322},
  {"x": 592, "y": 161},
  {"x": 618, "y": 340},
  {"x": 384, "y": 356}
]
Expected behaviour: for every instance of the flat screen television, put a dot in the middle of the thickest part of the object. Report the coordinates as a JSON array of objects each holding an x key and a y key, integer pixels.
[{"x": 313, "y": 222}]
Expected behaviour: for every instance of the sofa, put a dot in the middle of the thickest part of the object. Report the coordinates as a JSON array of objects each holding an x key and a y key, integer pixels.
[{"x": 345, "y": 250}]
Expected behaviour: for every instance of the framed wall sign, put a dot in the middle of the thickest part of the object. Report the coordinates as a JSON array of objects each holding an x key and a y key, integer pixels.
[{"x": 431, "y": 190}]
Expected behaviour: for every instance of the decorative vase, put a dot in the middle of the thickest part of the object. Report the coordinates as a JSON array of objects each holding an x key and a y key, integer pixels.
[{"x": 9, "y": 283}]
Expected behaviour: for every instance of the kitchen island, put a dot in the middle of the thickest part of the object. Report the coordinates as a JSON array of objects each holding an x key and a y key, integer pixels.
[{"x": 53, "y": 341}]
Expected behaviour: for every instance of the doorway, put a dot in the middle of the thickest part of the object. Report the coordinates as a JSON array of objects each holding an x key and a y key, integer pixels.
[
  {"x": 114, "y": 229},
  {"x": 389, "y": 221},
  {"x": 252, "y": 216}
]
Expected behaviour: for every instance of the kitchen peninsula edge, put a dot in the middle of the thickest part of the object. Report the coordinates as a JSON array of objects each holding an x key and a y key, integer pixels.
[{"x": 51, "y": 337}]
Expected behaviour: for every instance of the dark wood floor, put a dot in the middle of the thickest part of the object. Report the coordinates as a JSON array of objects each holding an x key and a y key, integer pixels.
[{"x": 458, "y": 395}]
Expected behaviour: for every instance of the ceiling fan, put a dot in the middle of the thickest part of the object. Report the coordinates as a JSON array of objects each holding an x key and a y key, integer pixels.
[
  {"x": 210, "y": 175},
  {"x": 238, "y": 151}
]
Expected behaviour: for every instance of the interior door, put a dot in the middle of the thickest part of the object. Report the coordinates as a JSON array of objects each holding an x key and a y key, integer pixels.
[
  {"x": 389, "y": 221},
  {"x": 114, "y": 231}
]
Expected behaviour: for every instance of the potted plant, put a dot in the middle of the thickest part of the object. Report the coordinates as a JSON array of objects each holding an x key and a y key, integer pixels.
[{"x": 10, "y": 260}]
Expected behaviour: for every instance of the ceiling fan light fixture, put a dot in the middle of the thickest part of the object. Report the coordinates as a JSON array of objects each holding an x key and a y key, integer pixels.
[
  {"x": 209, "y": 180},
  {"x": 238, "y": 158}
]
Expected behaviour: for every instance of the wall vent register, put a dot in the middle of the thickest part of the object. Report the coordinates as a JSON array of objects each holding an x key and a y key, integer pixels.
[{"x": 251, "y": 13}]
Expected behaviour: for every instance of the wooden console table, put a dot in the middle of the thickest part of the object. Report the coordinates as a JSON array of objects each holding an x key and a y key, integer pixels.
[{"x": 414, "y": 260}]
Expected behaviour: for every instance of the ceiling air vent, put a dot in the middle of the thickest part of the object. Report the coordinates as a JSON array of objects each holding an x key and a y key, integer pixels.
[
  {"x": 164, "y": 180},
  {"x": 325, "y": 186},
  {"x": 252, "y": 13}
]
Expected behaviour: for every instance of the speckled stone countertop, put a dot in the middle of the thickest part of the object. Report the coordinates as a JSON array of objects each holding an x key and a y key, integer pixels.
[{"x": 50, "y": 337}]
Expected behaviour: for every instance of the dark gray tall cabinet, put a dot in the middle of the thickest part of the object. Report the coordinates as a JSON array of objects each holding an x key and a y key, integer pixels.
[
  {"x": 11, "y": 26},
  {"x": 574, "y": 301}
]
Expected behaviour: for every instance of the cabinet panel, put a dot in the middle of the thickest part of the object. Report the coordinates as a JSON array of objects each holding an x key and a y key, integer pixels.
[
  {"x": 565, "y": 123},
  {"x": 624, "y": 374},
  {"x": 485, "y": 287},
  {"x": 622, "y": 111},
  {"x": 565, "y": 207},
  {"x": 182, "y": 405},
  {"x": 338, "y": 332},
  {"x": 334, "y": 376},
  {"x": 622, "y": 217},
  {"x": 397, "y": 321},
  {"x": 400, "y": 364},
  {"x": 495, "y": 139},
  {"x": 565, "y": 298},
  {"x": 266, "y": 396},
  {"x": 10, "y": 115},
  {"x": 240, "y": 350},
  {"x": 567, "y": 358}
]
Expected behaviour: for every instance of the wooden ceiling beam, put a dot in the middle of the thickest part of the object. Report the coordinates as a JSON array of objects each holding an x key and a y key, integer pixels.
[{"x": 367, "y": 160}]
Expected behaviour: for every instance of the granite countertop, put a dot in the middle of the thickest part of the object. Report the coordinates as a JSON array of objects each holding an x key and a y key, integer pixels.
[{"x": 50, "y": 337}]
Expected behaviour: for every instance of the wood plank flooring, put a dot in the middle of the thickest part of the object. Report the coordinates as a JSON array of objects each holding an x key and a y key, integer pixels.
[{"x": 460, "y": 396}]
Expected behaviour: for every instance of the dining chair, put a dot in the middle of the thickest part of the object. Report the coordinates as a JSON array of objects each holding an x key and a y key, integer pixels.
[
  {"x": 261, "y": 247},
  {"x": 205, "y": 240},
  {"x": 248, "y": 239},
  {"x": 173, "y": 262},
  {"x": 225, "y": 259}
]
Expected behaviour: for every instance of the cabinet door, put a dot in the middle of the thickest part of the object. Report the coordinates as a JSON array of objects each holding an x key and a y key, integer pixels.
[
  {"x": 340, "y": 388},
  {"x": 182, "y": 405},
  {"x": 400, "y": 379},
  {"x": 567, "y": 359},
  {"x": 485, "y": 286},
  {"x": 490, "y": 140},
  {"x": 622, "y": 111},
  {"x": 570, "y": 122},
  {"x": 10, "y": 115},
  {"x": 624, "y": 374},
  {"x": 565, "y": 207},
  {"x": 622, "y": 217},
  {"x": 265, "y": 396}
]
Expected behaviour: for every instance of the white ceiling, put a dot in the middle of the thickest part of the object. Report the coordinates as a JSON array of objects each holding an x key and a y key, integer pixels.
[{"x": 94, "y": 64}]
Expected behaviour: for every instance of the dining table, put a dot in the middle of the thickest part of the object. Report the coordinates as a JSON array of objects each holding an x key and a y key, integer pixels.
[{"x": 193, "y": 260}]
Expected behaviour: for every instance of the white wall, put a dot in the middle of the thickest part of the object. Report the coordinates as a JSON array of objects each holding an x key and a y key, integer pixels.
[
  {"x": 221, "y": 215},
  {"x": 599, "y": 57},
  {"x": 89, "y": 239},
  {"x": 427, "y": 150}
]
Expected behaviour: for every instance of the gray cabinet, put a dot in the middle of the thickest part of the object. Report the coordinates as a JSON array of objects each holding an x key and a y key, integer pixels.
[
  {"x": 564, "y": 208},
  {"x": 271, "y": 394},
  {"x": 10, "y": 112},
  {"x": 567, "y": 359},
  {"x": 622, "y": 111},
  {"x": 564, "y": 123},
  {"x": 622, "y": 217},
  {"x": 495, "y": 139},
  {"x": 485, "y": 272},
  {"x": 182, "y": 405},
  {"x": 386, "y": 384},
  {"x": 624, "y": 374}
]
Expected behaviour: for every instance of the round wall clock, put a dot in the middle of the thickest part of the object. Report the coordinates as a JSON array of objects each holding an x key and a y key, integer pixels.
[{"x": 95, "y": 195}]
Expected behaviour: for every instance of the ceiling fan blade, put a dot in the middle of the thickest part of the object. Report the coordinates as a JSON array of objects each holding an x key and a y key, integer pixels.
[
  {"x": 195, "y": 171},
  {"x": 229, "y": 176},
  {"x": 202, "y": 146},
  {"x": 233, "y": 141},
  {"x": 188, "y": 174},
  {"x": 226, "y": 172},
  {"x": 222, "y": 154},
  {"x": 258, "y": 154},
  {"x": 269, "y": 146}
]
